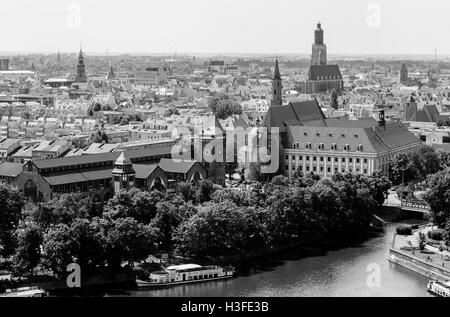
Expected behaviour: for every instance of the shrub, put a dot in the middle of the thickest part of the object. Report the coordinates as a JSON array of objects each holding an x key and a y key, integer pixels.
[
  {"x": 404, "y": 230},
  {"x": 436, "y": 234}
]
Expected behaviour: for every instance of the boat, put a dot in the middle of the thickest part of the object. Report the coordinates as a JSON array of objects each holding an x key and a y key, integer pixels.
[
  {"x": 439, "y": 288},
  {"x": 29, "y": 291},
  {"x": 185, "y": 274}
]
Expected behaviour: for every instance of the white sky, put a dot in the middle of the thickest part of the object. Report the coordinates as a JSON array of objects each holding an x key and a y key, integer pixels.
[{"x": 225, "y": 26}]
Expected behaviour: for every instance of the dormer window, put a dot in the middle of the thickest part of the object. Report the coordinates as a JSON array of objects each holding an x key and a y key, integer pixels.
[
  {"x": 309, "y": 145},
  {"x": 346, "y": 147},
  {"x": 360, "y": 148},
  {"x": 334, "y": 147},
  {"x": 321, "y": 146}
]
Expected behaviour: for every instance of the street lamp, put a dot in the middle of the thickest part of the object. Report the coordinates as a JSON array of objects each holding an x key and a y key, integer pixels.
[{"x": 403, "y": 185}]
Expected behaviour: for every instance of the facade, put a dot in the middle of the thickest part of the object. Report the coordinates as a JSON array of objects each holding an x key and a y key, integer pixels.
[
  {"x": 151, "y": 76},
  {"x": 7, "y": 147},
  {"x": 312, "y": 143}
]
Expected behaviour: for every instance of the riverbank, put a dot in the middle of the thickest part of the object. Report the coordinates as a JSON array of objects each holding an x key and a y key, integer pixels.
[{"x": 405, "y": 252}]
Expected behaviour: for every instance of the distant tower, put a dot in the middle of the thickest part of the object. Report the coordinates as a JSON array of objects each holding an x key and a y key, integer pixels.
[
  {"x": 277, "y": 87},
  {"x": 404, "y": 74},
  {"x": 123, "y": 173},
  {"x": 58, "y": 57},
  {"x": 81, "y": 69},
  {"x": 111, "y": 74},
  {"x": 319, "y": 49}
]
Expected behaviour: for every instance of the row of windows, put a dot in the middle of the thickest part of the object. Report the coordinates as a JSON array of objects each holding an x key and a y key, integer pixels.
[
  {"x": 81, "y": 187},
  {"x": 76, "y": 167},
  {"x": 329, "y": 158},
  {"x": 333, "y": 147},
  {"x": 322, "y": 169}
]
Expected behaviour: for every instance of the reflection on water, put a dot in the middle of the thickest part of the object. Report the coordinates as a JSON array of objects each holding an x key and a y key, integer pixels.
[{"x": 329, "y": 269}]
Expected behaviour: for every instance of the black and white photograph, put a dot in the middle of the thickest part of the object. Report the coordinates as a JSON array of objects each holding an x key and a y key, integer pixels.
[{"x": 223, "y": 153}]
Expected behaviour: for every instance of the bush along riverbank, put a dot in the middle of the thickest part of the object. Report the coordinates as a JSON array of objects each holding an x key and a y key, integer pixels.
[{"x": 199, "y": 221}]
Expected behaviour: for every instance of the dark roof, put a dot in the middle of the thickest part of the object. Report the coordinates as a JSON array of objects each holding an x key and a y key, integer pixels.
[
  {"x": 429, "y": 113},
  {"x": 78, "y": 177},
  {"x": 324, "y": 72},
  {"x": 295, "y": 113},
  {"x": 10, "y": 169},
  {"x": 176, "y": 166},
  {"x": 144, "y": 171},
  {"x": 354, "y": 133},
  {"x": 102, "y": 157}
]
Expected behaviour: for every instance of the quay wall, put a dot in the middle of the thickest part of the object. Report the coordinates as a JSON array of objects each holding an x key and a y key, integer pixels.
[{"x": 418, "y": 265}]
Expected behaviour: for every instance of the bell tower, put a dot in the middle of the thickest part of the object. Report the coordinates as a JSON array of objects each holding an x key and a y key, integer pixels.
[
  {"x": 123, "y": 173},
  {"x": 81, "y": 69},
  {"x": 319, "y": 49},
  {"x": 277, "y": 87}
]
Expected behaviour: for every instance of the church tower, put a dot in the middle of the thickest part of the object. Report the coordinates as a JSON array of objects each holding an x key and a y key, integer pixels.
[
  {"x": 404, "y": 74},
  {"x": 123, "y": 173},
  {"x": 277, "y": 87},
  {"x": 319, "y": 49},
  {"x": 81, "y": 69}
]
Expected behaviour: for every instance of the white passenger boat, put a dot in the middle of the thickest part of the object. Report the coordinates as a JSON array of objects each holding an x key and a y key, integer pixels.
[
  {"x": 439, "y": 288},
  {"x": 186, "y": 273},
  {"x": 30, "y": 291}
]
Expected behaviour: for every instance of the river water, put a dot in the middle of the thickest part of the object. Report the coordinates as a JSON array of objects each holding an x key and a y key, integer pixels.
[{"x": 323, "y": 270}]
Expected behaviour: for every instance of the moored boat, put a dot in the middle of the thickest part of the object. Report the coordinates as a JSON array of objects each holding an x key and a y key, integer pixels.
[
  {"x": 185, "y": 274},
  {"x": 29, "y": 291},
  {"x": 439, "y": 288}
]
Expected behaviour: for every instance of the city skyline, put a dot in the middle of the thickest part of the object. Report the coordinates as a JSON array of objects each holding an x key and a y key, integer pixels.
[{"x": 253, "y": 27}]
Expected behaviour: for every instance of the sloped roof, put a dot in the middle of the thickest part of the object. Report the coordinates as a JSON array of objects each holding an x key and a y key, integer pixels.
[
  {"x": 70, "y": 178},
  {"x": 366, "y": 133},
  {"x": 295, "y": 113},
  {"x": 123, "y": 159},
  {"x": 144, "y": 171},
  {"x": 10, "y": 169},
  {"x": 176, "y": 166},
  {"x": 324, "y": 72}
]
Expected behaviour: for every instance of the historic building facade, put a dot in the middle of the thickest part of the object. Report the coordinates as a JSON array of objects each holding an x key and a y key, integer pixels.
[{"x": 312, "y": 143}]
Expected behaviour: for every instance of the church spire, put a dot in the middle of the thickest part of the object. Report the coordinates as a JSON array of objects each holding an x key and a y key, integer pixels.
[{"x": 277, "y": 87}]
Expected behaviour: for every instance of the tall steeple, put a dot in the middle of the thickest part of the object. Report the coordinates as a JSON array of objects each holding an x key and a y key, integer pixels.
[
  {"x": 319, "y": 49},
  {"x": 404, "y": 74},
  {"x": 81, "y": 68},
  {"x": 277, "y": 87}
]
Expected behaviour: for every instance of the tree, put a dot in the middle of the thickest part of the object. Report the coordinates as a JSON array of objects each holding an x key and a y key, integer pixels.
[
  {"x": 166, "y": 221},
  {"x": 11, "y": 203},
  {"x": 224, "y": 106},
  {"x": 426, "y": 161},
  {"x": 401, "y": 169},
  {"x": 438, "y": 197},
  {"x": 137, "y": 204},
  {"x": 204, "y": 190},
  {"x": 59, "y": 248},
  {"x": 63, "y": 210},
  {"x": 128, "y": 240},
  {"x": 422, "y": 241},
  {"x": 28, "y": 253},
  {"x": 216, "y": 230}
]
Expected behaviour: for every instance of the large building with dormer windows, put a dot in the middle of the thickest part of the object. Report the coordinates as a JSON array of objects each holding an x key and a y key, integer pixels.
[{"x": 312, "y": 143}]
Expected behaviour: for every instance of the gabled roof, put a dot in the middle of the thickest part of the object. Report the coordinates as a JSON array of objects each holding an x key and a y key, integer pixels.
[
  {"x": 295, "y": 113},
  {"x": 324, "y": 72},
  {"x": 176, "y": 166},
  {"x": 144, "y": 171}
]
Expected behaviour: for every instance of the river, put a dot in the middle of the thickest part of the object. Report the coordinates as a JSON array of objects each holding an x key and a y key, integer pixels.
[{"x": 323, "y": 270}]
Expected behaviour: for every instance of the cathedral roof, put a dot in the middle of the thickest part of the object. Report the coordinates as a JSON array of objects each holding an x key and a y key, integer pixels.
[{"x": 324, "y": 72}]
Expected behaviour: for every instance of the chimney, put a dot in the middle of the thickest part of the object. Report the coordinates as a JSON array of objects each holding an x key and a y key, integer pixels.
[{"x": 381, "y": 120}]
